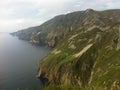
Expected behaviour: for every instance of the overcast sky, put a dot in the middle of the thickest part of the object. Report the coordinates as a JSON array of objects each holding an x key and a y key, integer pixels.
[{"x": 19, "y": 14}]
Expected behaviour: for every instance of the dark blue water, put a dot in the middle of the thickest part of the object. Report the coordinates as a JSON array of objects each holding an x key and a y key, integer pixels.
[{"x": 18, "y": 63}]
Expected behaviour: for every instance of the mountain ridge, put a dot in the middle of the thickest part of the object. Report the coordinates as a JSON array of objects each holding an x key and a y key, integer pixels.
[{"x": 86, "y": 50}]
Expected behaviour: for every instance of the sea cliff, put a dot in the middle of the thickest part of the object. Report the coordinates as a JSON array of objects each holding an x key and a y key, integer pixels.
[{"x": 86, "y": 50}]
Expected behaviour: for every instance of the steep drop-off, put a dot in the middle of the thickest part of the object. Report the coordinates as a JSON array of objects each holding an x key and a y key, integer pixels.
[
  {"x": 89, "y": 55},
  {"x": 86, "y": 50}
]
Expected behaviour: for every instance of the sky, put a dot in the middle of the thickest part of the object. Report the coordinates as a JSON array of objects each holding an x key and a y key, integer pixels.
[{"x": 20, "y": 14}]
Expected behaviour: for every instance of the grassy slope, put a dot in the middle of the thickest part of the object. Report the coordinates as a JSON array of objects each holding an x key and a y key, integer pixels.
[
  {"x": 104, "y": 63},
  {"x": 96, "y": 69}
]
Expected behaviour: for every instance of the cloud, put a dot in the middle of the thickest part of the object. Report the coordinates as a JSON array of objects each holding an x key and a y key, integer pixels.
[
  {"x": 19, "y": 14},
  {"x": 113, "y": 5},
  {"x": 18, "y": 24}
]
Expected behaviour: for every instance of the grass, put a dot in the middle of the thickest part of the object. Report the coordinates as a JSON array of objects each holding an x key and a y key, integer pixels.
[
  {"x": 107, "y": 63},
  {"x": 67, "y": 59},
  {"x": 70, "y": 87},
  {"x": 62, "y": 87}
]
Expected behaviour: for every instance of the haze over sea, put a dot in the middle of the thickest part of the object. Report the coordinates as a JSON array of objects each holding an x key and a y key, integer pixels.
[{"x": 18, "y": 63}]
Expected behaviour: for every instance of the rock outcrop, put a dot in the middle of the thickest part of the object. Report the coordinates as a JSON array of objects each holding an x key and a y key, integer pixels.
[
  {"x": 86, "y": 49},
  {"x": 89, "y": 54}
]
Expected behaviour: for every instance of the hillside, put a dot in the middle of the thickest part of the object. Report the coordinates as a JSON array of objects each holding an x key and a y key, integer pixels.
[
  {"x": 52, "y": 31},
  {"x": 86, "y": 51}
]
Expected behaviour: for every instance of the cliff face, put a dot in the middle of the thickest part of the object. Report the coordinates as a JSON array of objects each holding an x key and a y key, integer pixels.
[
  {"x": 89, "y": 54},
  {"x": 86, "y": 49},
  {"x": 54, "y": 30}
]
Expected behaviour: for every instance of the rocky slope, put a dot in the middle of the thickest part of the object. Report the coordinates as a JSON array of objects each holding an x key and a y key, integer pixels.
[
  {"x": 86, "y": 49},
  {"x": 89, "y": 55},
  {"x": 52, "y": 31}
]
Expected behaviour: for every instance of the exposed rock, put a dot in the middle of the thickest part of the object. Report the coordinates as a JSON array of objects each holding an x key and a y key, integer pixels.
[
  {"x": 88, "y": 56},
  {"x": 51, "y": 43},
  {"x": 72, "y": 37},
  {"x": 56, "y": 51},
  {"x": 86, "y": 49},
  {"x": 83, "y": 50},
  {"x": 118, "y": 42},
  {"x": 72, "y": 46}
]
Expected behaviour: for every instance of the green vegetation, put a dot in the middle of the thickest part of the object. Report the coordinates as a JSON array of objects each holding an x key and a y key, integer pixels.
[
  {"x": 96, "y": 69},
  {"x": 60, "y": 87},
  {"x": 86, "y": 54}
]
